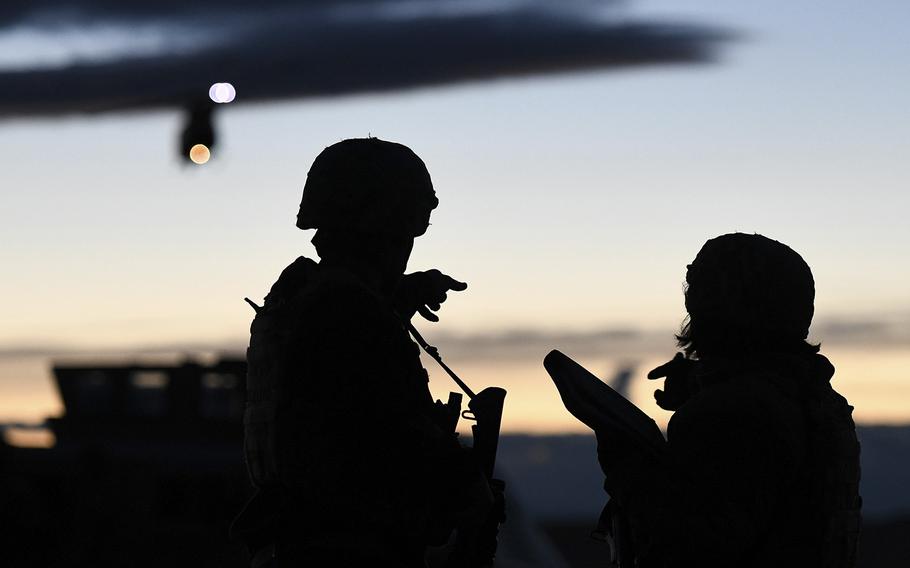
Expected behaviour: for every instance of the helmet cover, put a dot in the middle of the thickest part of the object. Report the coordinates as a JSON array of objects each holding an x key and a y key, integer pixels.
[
  {"x": 751, "y": 282},
  {"x": 368, "y": 185}
]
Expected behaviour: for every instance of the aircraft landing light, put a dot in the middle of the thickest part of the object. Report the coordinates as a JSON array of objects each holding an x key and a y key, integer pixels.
[
  {"x": 222, "y": 92},
  {"x": 200, "y": 154}
]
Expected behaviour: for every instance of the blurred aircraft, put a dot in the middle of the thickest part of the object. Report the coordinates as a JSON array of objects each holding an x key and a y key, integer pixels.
[
  {"x": 622, "y": 379},
  {"x": 91, "y": 56}
]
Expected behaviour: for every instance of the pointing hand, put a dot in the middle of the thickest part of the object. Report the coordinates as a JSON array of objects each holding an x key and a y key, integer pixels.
[
  {"x": 424, "y": 293},
  {"x": 678, "y": 386}
]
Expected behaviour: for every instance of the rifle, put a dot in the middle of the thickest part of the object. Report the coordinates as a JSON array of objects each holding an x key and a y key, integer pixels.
[{"x": 476, "y": 547}]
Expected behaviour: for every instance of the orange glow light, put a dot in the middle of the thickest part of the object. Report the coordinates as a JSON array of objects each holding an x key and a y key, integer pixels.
[{"x": 200, "y": 154}]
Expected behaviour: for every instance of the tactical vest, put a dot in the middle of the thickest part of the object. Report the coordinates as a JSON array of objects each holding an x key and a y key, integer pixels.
[
  {"x": 261, "y": 419},
  {"x": 834, "y": 461},
  {"x": 336, "y": 476},
  {"x": 276, "y": 402},
  {"x": 267, "y": 403},
  {"x": 832, "y": 466}
]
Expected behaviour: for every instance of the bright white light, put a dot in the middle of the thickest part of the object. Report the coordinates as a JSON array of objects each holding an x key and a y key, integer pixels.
[
  {"x": 222, "y": 92},
  {"x": 226, "y": 92}
]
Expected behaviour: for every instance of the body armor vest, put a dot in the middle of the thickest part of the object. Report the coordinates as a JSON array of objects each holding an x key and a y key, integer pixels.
[{"x": 832, "y": 464}]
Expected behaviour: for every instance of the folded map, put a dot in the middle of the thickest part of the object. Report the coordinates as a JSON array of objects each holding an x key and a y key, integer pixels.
[{"x": 600, "y": 407}]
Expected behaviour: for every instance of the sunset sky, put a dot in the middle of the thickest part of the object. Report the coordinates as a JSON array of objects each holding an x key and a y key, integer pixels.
[{"x": 568, "y": 202}]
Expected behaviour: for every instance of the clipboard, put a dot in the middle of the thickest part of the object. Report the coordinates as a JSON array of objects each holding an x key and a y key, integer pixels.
[{"x": 599, "y": 407}]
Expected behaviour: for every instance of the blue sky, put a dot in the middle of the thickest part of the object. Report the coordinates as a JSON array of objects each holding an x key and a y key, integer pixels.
[{"x": 567, "y": 202}]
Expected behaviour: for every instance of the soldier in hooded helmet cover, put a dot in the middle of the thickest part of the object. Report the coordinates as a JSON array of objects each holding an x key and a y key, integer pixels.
[
  {"x": 762, "y": 467},
  {"x": 342, "y": 438}
]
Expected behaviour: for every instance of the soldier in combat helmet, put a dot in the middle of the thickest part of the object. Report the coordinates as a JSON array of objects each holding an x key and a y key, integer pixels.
[
  {"x": 762, "y": 467},
  {"x": 343, "y": 442}
]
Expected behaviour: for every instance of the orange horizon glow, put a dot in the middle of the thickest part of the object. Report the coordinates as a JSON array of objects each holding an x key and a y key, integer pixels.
[{"x": 873, "y": 380}]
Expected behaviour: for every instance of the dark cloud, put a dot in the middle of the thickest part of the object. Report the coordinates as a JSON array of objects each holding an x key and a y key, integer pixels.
[
  {"x": 528, "y": 343},
  {"x": 889, "y": 331},
  {"x": 633, "y": 344},
  {"x": 327, "y": 48},
  {"x": 13, "y": 12},
  {"x": 535, "y": 344},
  {"x": 493, "y": 347},
  {"x": 636, "y": 344}
]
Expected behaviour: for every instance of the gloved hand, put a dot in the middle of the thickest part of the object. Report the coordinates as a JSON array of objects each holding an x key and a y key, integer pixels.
[
  {"x": 477, "y": 499},
  {"x": 679, "y": 384},
  {"x": 421, "y": 292},
  {"x": 619, "y": 459},
  {"x": 478, "y": 535}
]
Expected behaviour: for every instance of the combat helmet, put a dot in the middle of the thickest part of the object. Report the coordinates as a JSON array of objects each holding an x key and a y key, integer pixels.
[
  {"x": 750, "y": 282},
  {"x": 370, "y": 186}
]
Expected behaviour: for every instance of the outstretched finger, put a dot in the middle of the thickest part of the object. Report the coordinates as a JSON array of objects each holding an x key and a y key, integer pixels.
[
  {"x": 453, "y": 284},
  {"x": 665, "y": 369},
  {"x": 659, "y": 372},
  {"x": 427, "y": 314}
]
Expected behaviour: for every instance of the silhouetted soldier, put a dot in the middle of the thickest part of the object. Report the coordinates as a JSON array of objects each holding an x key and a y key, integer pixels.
[
  {"x": 353, "y": 462},
  {"x": 763, "y": 462}
]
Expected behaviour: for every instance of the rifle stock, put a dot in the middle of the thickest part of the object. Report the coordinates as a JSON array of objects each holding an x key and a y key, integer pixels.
[
  {"x": 475, "y": 547},
  {"x": 486, "y": 406}
]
